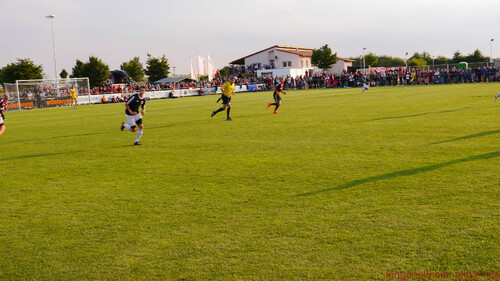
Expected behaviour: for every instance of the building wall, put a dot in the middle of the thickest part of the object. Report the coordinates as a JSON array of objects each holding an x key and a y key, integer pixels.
[
  {"x": 261, "y": 58},
  {"x": 305, "y": 62},
  {"x": 265, "y": 57},
  {"x": 339, "y": 67},
  {"x": 286, "y": 57},
  {"x": 293, "y": 72}
]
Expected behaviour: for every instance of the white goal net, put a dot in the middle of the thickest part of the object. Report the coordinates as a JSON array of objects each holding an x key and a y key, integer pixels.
[{"x": 42, "y": 93}]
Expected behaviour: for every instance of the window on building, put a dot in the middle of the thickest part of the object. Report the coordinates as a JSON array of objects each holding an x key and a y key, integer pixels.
[
  {"x": 301, "y": 64},
  {"x": 287, "y": 64},
  {"x": 307, "y": 63}
]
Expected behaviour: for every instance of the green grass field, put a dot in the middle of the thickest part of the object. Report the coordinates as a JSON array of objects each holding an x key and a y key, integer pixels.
[{"x": 338, "y": 186}]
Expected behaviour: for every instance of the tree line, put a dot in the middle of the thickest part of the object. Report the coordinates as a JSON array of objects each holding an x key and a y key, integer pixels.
[
  {"x": 420, "y": 59},
  {"x": 324, "y": 58},
  {"x": 95, "y": 69}
]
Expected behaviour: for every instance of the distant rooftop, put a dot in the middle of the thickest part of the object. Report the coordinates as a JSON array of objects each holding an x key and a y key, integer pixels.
[
  {"x": 173, "y": 80},
  {"x": 301, "y": 51}
]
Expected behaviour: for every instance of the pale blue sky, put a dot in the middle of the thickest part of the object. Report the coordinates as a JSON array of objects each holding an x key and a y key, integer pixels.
[{"x": 117, "y": 30}]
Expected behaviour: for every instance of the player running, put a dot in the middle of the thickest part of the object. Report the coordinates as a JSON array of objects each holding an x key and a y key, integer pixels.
[
  {"x": 74, "y": 97},
  {"x": 278, "y": 88},
  {"x": 217, "y": 102},
  {"x": 132, "y": 114},
  {"x": 227, "y": 92},
  {"x": 3, "y": 103},
  {"x": 366, "y": 85}
]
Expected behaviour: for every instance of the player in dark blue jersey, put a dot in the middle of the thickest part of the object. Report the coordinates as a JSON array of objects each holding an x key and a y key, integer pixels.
[{"x": 134, "y": 118}]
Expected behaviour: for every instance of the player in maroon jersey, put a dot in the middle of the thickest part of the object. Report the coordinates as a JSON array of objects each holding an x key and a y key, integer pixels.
[
  {"x": 278, "y": 88},
  {"x": 3, "y": 103}
]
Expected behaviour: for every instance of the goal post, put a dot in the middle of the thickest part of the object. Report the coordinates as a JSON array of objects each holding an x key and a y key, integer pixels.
[{"x": 43, "y": 93}]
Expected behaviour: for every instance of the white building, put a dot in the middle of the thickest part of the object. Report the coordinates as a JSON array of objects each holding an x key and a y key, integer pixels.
[
  {"x": 341, "y": 65},
  {"x": 280, "y": 60}
]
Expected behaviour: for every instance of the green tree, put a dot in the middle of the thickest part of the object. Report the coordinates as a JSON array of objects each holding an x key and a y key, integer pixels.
[
  {"x": 441, "y": 60},
  {"x": 416, "y": 55},
  {"x": 23, "y": 69},
  {"x": 371, "y": 59},
  {"x": 323, "y": 57},
  {"x": 77, "y": 70},
  {"x": 63, "y": 74},
  {"x": 157, "y": 68},
  {"x": 224, "y": 71},
  {"x": 388, "y": 61},
  {"x": 384, "y": 60},
  {"x": 426, "y": 56},
  {"x": 397, "y": 62},
  {"x": 477, "y": 56},
  {"x": 134, "y": 69},
  {"x": 457, "y": 57},
  {"x": 96, "y": 70},
  {"x": 417, "y": 62}
]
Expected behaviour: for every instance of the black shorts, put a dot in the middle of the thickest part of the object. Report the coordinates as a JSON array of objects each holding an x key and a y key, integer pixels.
[
  {"x": 277, "y": 98},
  {"x": 226, "y": 99}
]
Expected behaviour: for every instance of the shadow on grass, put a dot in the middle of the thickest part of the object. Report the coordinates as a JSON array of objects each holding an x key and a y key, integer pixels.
[
  {"x": 173, "y": 124},
  {"x": 403, "y": 173},
  {"x": 58, "y": 137},
  {"x": 469, "y": 137},
  {"x": 418, "y": 114},
  {"x": 31, "y": 156}
]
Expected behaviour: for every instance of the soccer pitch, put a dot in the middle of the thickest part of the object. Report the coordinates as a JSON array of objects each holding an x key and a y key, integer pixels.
[{"x": 337, "y": 186}]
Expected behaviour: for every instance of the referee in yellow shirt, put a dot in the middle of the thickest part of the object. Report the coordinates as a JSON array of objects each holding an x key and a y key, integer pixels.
[{"x": 227, "y": 93}]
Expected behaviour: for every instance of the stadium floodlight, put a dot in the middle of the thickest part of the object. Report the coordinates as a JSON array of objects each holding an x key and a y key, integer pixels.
[{"x": 52, "y": 17}]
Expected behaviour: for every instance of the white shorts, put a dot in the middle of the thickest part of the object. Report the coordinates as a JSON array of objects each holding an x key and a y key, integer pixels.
[
  {"x": 366, "y": 86},
  {"x": 132, "y": 119},
  {"x": 1, "y": 120}
]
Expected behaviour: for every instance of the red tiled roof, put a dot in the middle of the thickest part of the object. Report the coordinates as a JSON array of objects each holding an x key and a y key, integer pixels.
[{"x": 346, "y": 60}]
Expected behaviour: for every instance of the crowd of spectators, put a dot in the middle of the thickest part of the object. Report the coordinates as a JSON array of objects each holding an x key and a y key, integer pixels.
[
  {"x": 438, "y": 76},
  {"x": 377, "y": 77},
  {"x": 394, "y": 77},
  {"x": 188, "y": 84},
  {"x": 249, "y": 70},
  {"x": 43, "y": 92}
]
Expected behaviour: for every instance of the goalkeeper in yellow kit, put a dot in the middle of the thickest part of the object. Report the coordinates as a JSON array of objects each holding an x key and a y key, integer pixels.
[{"x": 74, "y": 97}]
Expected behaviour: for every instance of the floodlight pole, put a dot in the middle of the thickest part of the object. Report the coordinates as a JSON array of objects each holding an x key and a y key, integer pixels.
[
  {"x": 491, "y": 50},
  {"x": 406, "y": 61},
  {"x": 174, "y": 71},
  {"x": 52, "y": 17},
  {"x": 364, "y": 65}
]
